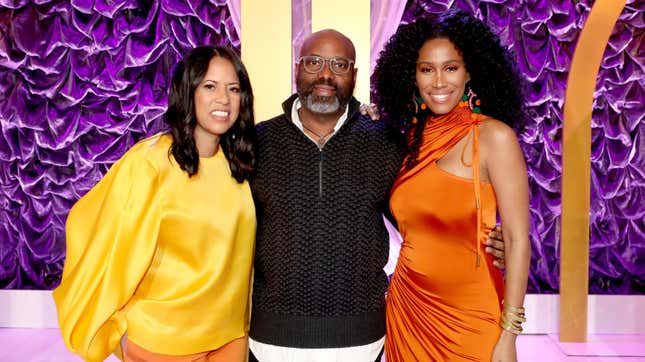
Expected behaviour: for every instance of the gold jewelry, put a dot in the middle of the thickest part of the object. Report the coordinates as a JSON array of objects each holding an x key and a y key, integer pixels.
[
  {"x": 512, "y": 318},
  {"x": 514, "y": 309}
]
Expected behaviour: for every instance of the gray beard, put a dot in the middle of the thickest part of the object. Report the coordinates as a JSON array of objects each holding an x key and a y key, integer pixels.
[{"x": 321, "y": 105}]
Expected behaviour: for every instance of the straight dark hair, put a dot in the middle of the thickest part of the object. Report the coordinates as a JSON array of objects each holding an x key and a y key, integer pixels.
[{"x": 238, "y": 143}]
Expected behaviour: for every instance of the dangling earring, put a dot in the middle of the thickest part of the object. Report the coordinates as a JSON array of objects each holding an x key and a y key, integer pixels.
[
  {"x": 233, "y": 136},
  {"x": 420, "y": 107},
  {"x": 471, "y": 98}
]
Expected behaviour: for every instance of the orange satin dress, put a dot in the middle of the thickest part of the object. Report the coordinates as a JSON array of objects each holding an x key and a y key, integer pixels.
[
  {"x": 444, "y": 300},
  {"x": 235, "y": 350}
]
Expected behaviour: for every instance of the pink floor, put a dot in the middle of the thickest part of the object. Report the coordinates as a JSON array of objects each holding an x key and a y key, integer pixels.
[{"x": 45, "y": 345}]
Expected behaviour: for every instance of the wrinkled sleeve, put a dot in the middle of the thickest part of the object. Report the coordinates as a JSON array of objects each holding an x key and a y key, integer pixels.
[{"x": 111, "y": 236}]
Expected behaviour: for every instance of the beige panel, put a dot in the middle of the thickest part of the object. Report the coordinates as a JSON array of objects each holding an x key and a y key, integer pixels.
[
  {"x": 576, "y": 153},
  {"x": 266, "y": 52},
  {"x": 351, "y": 18}
]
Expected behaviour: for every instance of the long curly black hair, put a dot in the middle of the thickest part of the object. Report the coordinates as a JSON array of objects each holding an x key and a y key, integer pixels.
[
  {"x": 494, "y": 77},
  {"x": 238, "y": 143}
]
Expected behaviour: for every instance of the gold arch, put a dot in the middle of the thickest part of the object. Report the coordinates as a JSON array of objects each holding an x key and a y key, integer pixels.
[{"x": 576, "y": 168}]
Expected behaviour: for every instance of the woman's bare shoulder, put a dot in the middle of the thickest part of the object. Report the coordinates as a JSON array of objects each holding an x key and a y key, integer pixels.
[{"x": 495, "y": 132}]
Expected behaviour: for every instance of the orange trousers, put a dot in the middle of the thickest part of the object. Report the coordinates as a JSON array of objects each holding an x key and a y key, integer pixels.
[{"x": 233, "y": 351}]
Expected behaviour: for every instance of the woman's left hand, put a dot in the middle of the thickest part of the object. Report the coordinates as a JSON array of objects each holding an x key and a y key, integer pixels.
[{"x": 504, "y": 350}]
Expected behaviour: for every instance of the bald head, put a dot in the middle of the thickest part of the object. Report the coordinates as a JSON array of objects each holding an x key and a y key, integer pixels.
[
  {"x": 329, "y": 37},
  {"x": 323, "y": 91}
]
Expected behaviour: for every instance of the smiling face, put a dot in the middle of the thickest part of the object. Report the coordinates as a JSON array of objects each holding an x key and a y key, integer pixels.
[
  {"x": 217, "y": 102},
  {"x": 441, "y": 75},
  {"x": 326, "y": 92}
]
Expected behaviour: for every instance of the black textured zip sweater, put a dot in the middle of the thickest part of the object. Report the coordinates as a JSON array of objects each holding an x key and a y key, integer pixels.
[{"x": 321, "y": 243}]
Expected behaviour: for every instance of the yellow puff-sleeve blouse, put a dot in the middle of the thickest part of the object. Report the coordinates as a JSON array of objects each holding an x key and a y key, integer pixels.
[{"x": 165, "y": 257}]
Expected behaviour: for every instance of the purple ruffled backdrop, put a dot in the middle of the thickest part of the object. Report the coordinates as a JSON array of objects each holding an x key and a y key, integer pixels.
[{"x": 81, "y": 82}]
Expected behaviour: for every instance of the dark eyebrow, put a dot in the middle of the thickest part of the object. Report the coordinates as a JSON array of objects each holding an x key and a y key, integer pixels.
[
  {"x": 444, "y": 63},
  {"x": 216, "y": 82},
  {"x": 334, "y": 57}
]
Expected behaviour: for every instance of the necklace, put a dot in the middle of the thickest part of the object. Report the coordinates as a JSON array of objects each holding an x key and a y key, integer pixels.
[{"x": 321, "y": 139}]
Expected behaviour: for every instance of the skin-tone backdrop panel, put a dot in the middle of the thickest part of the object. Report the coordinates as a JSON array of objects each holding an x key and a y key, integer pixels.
[
  {"x": 351, "y": 18},
  {"x": 266, "y": 53},
  {"x": 576, "y": 168}
]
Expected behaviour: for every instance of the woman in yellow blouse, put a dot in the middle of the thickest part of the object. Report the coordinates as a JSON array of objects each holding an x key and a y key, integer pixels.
[{"x": 159, "y": 252}]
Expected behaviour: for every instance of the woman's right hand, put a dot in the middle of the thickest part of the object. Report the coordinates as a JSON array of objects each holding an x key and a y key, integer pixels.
[{"x": 505, "y": 350}]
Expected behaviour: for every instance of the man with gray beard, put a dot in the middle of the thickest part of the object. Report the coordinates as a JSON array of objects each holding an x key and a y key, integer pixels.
[{"x": 324, "y": 173}]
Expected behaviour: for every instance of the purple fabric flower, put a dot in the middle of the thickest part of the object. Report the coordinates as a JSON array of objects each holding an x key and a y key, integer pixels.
[
  {"x": 80, "y": 82},
  {"x": 543, "y": 34}
]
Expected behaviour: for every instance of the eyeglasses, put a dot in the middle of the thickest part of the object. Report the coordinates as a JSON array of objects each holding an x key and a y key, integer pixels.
[{"x": 314, "y": 64}]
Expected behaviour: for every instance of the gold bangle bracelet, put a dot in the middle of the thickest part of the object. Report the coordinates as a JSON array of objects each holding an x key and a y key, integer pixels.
[
  {"x": 512, "y": 318},
  {"x": 510, "y": 328},
  {"x": 514, "y": 309}
]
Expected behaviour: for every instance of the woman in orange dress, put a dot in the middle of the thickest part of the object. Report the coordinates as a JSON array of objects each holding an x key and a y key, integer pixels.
[{"x": 464, "y": 167}]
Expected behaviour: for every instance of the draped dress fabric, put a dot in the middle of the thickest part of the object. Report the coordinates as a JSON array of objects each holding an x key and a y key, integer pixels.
[
  {"x": 166, "y": 257},
  {"x": 444, "y": 300}
]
